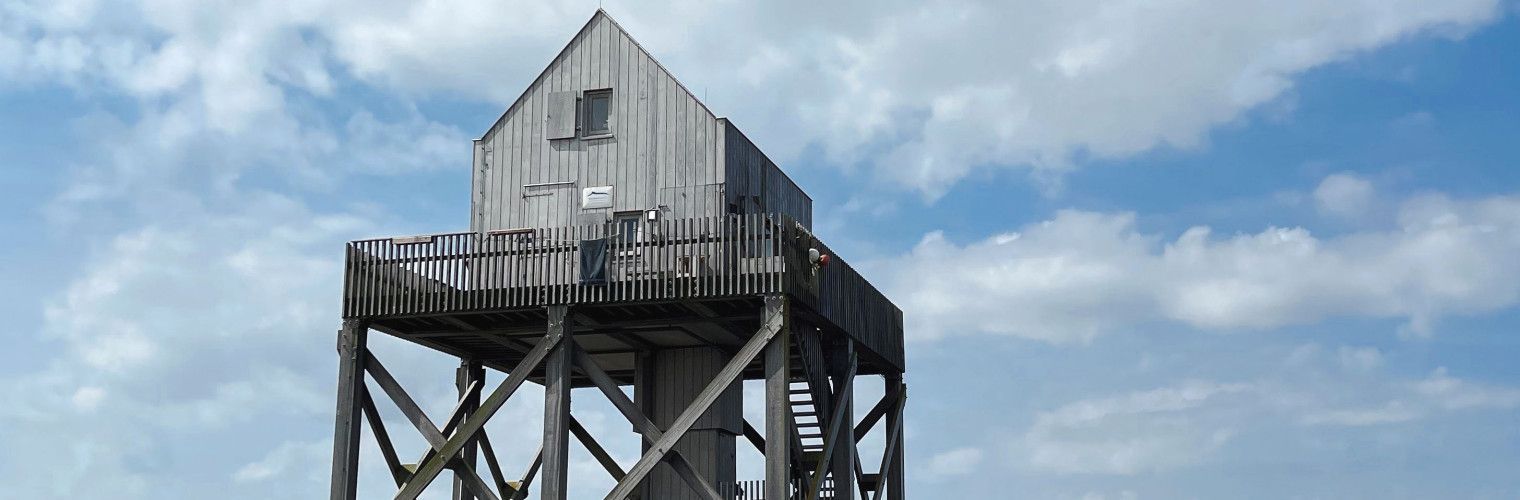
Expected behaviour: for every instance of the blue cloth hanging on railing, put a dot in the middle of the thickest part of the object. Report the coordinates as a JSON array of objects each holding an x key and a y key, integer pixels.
[{"x": 594, "y": 261}]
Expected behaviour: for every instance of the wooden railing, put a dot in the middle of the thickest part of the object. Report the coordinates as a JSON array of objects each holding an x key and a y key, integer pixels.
[{"x": 665, "y": 260}]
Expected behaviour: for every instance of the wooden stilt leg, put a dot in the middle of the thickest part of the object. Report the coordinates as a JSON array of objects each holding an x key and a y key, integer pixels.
[
  {"x": 351, "y": 354},
  {"x": 557, "y": 370},
  {"x": 469, "y": 372},
  {"x": 778, "y": 419}
]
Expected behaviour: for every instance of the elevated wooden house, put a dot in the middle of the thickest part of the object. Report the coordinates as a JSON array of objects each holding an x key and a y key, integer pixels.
[{"x": 623, "y": 234}]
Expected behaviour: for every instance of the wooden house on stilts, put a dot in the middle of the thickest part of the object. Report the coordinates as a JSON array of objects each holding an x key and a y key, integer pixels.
[{"x": 621, "y": 234}]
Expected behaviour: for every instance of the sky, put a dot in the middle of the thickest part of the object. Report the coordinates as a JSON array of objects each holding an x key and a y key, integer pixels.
[{"x": 1144, "y": 249}]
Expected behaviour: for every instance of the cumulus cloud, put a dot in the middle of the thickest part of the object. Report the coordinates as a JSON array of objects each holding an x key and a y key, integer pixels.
[
  {"x": 1344, "y": 195},
  {"x": 1135, "y": 432},
  {"x": 1032, "y": 84},
  {"x": 1196, "y": 421},
  {"x": 956, "y": 462},
  {"x": 1081, "y": 274}
]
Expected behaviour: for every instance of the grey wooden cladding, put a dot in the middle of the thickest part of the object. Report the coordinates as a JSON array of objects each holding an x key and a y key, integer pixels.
[
  {"x": 662, "y": 137},
  {"x": 755, "y": 184}
]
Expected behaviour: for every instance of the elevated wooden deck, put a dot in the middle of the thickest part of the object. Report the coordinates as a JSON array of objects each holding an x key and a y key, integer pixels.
[{"x": 680, "y": 283}]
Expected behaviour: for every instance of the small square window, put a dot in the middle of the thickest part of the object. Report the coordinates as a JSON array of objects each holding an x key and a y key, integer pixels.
[
  {"x": 626, "y": 227},
  {"x": 596, "y": 109}
]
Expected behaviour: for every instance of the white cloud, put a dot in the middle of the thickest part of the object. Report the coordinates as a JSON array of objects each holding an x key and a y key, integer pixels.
[
  {"x": 1132, "y": 433},
  {"x": 956, "y": 462},
  {"x": 1361, "y": 359},
  {"x": 1081, "y": 274},
  {"x": 1196, "y": 422},
  {"x": 1344, "y": 195},
  {"x": 88, "y": 398},
  {"x": 1030, "y": 84}
]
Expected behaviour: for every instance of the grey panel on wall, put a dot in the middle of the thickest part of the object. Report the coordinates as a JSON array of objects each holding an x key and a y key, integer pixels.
[{"x": 560, "y": 122}]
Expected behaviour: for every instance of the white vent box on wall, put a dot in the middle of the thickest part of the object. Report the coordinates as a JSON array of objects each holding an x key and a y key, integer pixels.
[{"x": 596, "y": 197}]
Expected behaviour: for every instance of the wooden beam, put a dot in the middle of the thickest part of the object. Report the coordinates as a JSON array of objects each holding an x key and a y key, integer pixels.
[
  {"x": 383, "y": 440},
  {"x": 888, "y": 456},
  {"x": 699, "y": 405},
  {"x": 467, "y": 380},
  {"x": 489, "y": 454},
  {"x": 883, "y": 405},
  {"x": 596, "y": 449},
  {"x": 428, "y": 471},
  {"x": 779, "y": 432},
  {"x": 754, "y": 437},
  {"x": 557, "y": 406},
  {"x": 527, "y": 477},
  {"x": 896, "y": 481},
  {"x": 652, "y": 433},
  {"x": 832, "y": 437},
  {"x": 351, "y": 354},
  {"x": 464, "y": 471}
]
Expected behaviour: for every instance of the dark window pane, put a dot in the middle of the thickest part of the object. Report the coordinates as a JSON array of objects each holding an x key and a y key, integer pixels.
[{"x": 598, "y": 107}]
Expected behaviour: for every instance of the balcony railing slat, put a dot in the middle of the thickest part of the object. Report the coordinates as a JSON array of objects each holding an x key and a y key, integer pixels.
[{"x": 672, "y": 259}]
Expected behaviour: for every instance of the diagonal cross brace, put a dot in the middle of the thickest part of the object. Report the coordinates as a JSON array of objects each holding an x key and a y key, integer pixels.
[
  {"x": 429, "y": 471},
  {"x": 425, "y": 425},
  {"x": 699, "y": 406},
  {"x": 645, "y": 427},
  {"x": 832, "y": 437}
]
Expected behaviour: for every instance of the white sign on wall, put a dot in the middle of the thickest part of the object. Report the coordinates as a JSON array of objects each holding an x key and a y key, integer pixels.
[{"x": 596, "y": 197}]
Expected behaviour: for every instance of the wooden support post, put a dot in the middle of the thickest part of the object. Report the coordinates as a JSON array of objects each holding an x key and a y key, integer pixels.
[
  {"x": 557, "y": 372},
  {"x": 351, "y": 354},
  {"x": 896, "y": 487},
  {"x": 469, "y": 374},
  {"x": 428, "y": 470},
  {"x": 641, "y": 424},
  {"x": 778, "y": 418},
  {"x": 843, "y": 365},
  {"x": 731, "y": 371}
]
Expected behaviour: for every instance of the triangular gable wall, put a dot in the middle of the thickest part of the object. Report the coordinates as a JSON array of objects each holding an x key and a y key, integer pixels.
[{"x": 664, "y": 151}]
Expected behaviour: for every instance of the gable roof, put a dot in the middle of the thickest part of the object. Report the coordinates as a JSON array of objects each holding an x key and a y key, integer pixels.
[{"x": 600, "y": 14}]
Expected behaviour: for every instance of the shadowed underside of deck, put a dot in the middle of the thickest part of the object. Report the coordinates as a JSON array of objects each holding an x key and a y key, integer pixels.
[{"x": 613, "y": 334}]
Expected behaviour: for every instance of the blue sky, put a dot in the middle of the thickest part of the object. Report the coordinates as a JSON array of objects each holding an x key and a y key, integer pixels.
[{"x": 1145, "y": 250}]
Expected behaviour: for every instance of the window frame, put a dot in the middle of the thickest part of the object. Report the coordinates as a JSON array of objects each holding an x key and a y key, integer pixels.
[{"x": 583, "y": 117}]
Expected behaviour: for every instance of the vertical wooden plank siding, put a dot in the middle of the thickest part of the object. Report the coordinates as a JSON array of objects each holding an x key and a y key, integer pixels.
[{"x": 662, "y": 137}]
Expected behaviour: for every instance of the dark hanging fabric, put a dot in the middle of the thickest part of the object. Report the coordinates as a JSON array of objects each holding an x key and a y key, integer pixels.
[{"x": 594, "y": 262}]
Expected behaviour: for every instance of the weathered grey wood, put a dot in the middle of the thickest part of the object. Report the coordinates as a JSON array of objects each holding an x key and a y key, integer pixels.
[
  {"x": 754, "y": 437},
  {"x": 527, "y": 477},
  {"x": 489, "y": 454},
  {"x": 833, "y": 437},
  {"x": 643, "y": 425},
  {"x": 557, "y": 372},
  {"x": 430, "y": 432},
  {"x": 383, "y": 440},
  {"x": 778, "y": 418},
  {"x": 351, "y": 354},
  {"x": 467, "y": 380},
  {"x": 596, "y": 450},
  {"x": 890, "y": 474},
  {"x": 843, "y": 366},
  {"x": 895, "y": 475},
  {"x": 883, "y": 405},
  {"x": 703, "y": 401},
  {"x": 429, "y": 470}
]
